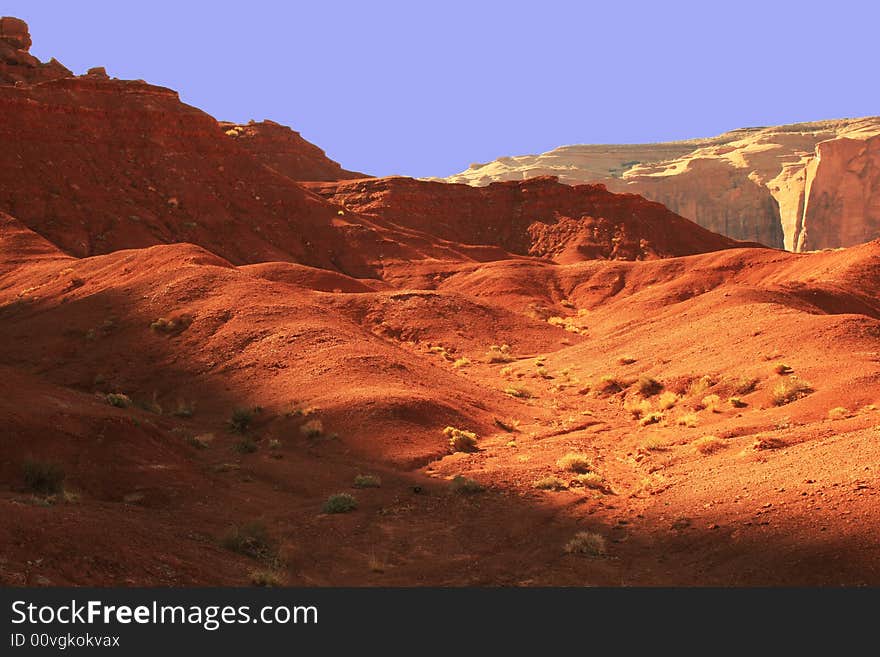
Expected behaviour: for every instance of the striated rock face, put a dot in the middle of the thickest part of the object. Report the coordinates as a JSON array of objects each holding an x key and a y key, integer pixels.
[
  {"x": 759, "y": 184},
  {"x": 538, "y": 217},
  {"x": 285, "y": 151}
]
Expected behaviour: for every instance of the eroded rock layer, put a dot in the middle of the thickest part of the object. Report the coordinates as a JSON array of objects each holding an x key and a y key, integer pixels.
[{"x": 802, "y": 186}]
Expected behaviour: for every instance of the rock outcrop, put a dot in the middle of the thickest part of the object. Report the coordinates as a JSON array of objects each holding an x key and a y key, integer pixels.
[
  {"x": 285, "y": 151},
  {"x": 17, "y": 65},
  {"x": 801, "y": 187},
  {"x": 538, "y": 217}
]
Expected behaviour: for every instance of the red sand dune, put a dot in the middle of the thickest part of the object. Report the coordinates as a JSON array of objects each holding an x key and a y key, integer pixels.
[{"x": 372, "y": 307}]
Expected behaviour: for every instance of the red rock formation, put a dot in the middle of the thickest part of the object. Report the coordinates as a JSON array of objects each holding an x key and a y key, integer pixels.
[
  {"x": 285, "y": 151},
  {"x": 17, "y": 65},
  {"x": 842, "y": 195},
  {"x": 538, "y": 217}
]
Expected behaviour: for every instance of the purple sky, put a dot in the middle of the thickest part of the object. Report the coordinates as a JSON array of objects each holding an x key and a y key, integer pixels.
[{"x": 426, "y": 88}]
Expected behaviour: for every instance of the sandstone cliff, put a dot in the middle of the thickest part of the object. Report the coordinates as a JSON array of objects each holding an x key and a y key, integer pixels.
[{"x": 802, "y": 186}]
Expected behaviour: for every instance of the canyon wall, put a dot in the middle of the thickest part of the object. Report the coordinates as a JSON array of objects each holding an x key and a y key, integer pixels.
[{"x": 801, "y": 187}]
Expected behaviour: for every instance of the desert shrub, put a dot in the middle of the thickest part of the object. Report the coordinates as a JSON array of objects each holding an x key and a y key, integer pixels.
[
  {"x": 589, "y": 543},
  {"x": 499, "y": 354},
  {"x": 44, "y": 477},
  {"x": 741, "y": 385},
  {"x": 574, "y": 462},
  {"x": 789, "y": 390},
  {"x": 838, "y": 413},
  {"x": 783, "y": 369},
  {"x": 461, "y": 362},
  {"x": 648, "y": 386},
  {"x": 312, "y": 429},
  {"x": 367, "y": 481},
  {"x": 543, "y": 373},
  {"x": 274, "y": 444},
  {"x": 460, "y": 440},
  {"x": 651, "y": 418},
  {"x": 550, "y": 482},
  {"x": 708, "y": 444},
  {"x": 521, "y": 393},
  {"x": 118, "y": 400},
  {"x": 711, "y": 403},
  {"x": 241, "y": 419},
  {"x": 637, "y": 407},
  {"x": 699, "y": 386},
  {"x": 667, "y": 400},
  {"x": 609, "y": 385},
  {"x": 340, "y": 503},
  {"x": 592, "y": 480},
  {"x": 251, "y": 539},
  {"x": 506, "y": 371},
  {"x": 654, "y": 445},
  {"x": 465, "y": 486},
  {"x": 689, "y": 420},
  {"x": 266, "y": 578},
  {"x": 245, "y": 446}
]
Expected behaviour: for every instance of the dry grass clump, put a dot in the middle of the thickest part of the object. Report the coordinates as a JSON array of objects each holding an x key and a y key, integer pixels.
[
  {"x": 782, "y": 369},
  {"x": 367, "y": 481},
  {"x": 648, "y": 386},
  {"x": 251, "y": 539},
  {"x": 566, "y": 323},
  {"x": 550, "y": 482},
  {"x": 241, "y": 420},
  {"x": 499, "y": 354},
  {"x": 520, "y": 393},
  {"x": 637, "y": 407},
  {"x": 574, "y": 462},
  {"x": 654, "y": 445},
  {"x": 689, "y": 420},
  {"x": 711, "y": 403},
  {"x": 465, "y": 485},
  {"x": 589, "y": 543},
  {"x": 651, "y": 418},
  {"x": 698, "y": 387},
  {"x": 461, "y": 362},
  {"x": 340, "y": 503},
  {"x": 267, "y": 578},
  {"x": 609, "y": 385},
  {"x": 709, "y": 444},
  {"x": 118, "y": 400},
  {"x": 839, "y": 413},
  {"x": 312, "y": 429},
  {"x": 460, "y": 440},
  {"x": 789, "y": 390},
  {"x": 667, "y": 400},
  {"x": 592, "y": 480},
  {"x": 740, "y": 385}
]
